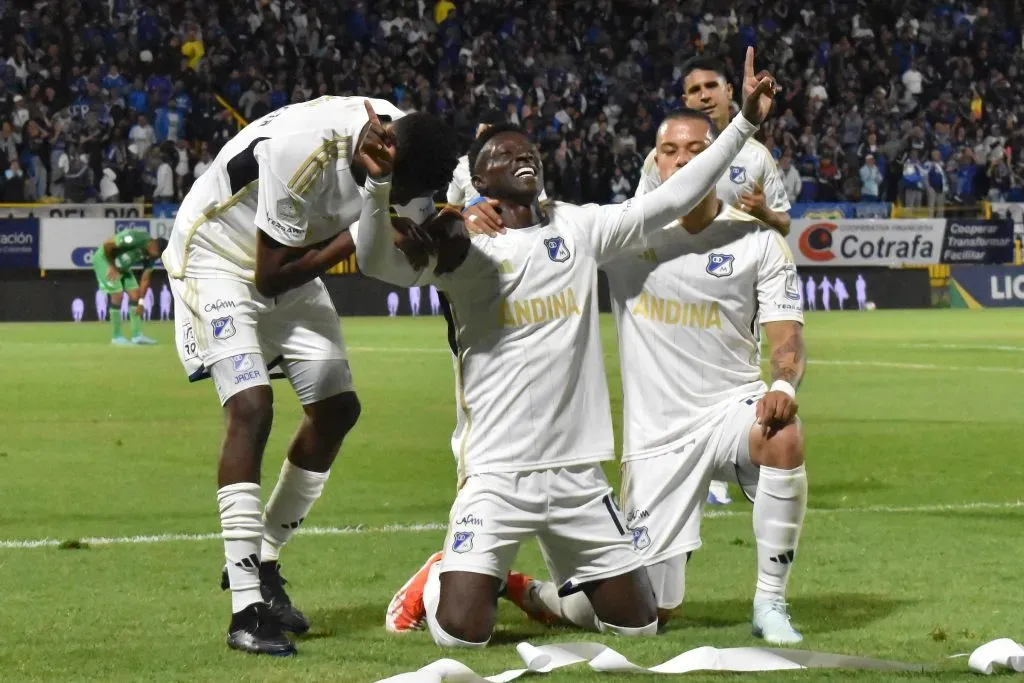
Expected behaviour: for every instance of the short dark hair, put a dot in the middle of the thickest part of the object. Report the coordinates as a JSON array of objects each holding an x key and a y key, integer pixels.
[
  {"x": 686, "y": 113},
  {"x": 162, "y": 243},
  {"x": 701, "y": 63},
  {"x": 485, "y": 137},
  {"x": 427, "y": 152},
  {"x": 492, "y": 117}
]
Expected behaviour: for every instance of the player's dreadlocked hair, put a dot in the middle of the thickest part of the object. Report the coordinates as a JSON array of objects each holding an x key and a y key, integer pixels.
[
  {"x": 485, "y": 137},
  {"x": 700, "y": 63},
  {"x": 427, "y": 153}
]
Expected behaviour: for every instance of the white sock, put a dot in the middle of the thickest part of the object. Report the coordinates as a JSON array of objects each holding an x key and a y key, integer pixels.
[
  {"x": 296, "y": 491},
  {"x": 242, "y": 530},
  {"x": 431, "y": 599},
  {"x": 649, "y": 630},
  {"x": 574, "y": 609},
  {"x": 779, "y": 508}
]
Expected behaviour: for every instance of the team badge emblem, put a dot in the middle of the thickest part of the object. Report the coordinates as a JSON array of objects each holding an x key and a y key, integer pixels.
[
  {"x": 720, "y": 265},
  {"x": 223, "y": 328},
  {"x": 792, "y": 284},
  {"x": 462, "y": 542},
  {"x": 641, "y": 539},
  {"x": 557, "y": 251},
  {"x": 242, "y": 362},
  {"x": 738, "y": 174},
  {"x": 287, "y": 210}
]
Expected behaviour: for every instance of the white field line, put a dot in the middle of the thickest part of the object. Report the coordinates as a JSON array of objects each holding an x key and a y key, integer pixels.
[
  {"x": 813, "y": 361},
  {"x": 743, "y": 511},
  {"x": 963, "y": 347}
]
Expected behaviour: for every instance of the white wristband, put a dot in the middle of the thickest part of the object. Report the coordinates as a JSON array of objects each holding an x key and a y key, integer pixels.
[{"x": 783, "y": 386}]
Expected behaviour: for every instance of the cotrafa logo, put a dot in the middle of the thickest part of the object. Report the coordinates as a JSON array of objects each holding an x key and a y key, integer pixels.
[{"x": 816, "y": 242}]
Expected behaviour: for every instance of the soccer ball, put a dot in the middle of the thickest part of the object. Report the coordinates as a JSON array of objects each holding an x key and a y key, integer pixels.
[{"x": 870, "y": 306}]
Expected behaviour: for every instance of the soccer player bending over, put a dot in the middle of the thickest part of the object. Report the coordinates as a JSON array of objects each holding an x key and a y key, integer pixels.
[
  {"x": 112, "y": 264},
  {"x": 249, "y": 243},
  {"x": 533, "y": 415},
  {"x": 689, "y": 310}
]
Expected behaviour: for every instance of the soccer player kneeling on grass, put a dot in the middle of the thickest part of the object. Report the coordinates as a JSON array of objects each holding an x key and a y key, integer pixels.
[
  {"x": 533, "y": 410},
  {"x": 688, "y": 310},
  {"x": 249, "y": 243}
]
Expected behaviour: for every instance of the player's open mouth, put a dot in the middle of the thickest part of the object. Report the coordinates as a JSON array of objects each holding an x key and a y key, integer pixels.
[
  {"x": 708, "y": 109},
  {"x": 526, "y": 172}
]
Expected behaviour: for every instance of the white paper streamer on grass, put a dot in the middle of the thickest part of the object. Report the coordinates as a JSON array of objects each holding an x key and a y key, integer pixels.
[
  {"x": 1002, "y": 653},
  {"x": 602, "y": 658}
]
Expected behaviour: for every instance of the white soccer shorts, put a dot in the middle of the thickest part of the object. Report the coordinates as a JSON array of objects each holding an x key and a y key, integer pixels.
[
  {"x": 226, "y": 330},
  {"x": 664, "y": 495},
  {"x": 570, "y": 510}
]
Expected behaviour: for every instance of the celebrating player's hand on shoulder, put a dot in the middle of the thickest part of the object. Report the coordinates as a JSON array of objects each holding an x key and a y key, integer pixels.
[
  {"x": 112, "y": 274},
  {"x": 482, "y": 218},
  {"x": 377, "y": 148},
  {"x": 754, "y": 202},
  {"x": 759, "y": 91}
]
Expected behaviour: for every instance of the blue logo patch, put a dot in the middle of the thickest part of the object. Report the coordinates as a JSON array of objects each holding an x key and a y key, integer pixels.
[
  {"x": 223, "y": 328},
  {"x": 462, "y": 542},
  {"x": 738, "y": 174},
  {"x": 242, "y": 362},
  {"x": 720, "y": 265},
  {"x": 557, "y": 251},
  {"x": 641, "y": 539}
]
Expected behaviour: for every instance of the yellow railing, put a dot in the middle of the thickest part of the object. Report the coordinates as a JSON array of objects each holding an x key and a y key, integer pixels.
[{"x": 239, "y": 119}]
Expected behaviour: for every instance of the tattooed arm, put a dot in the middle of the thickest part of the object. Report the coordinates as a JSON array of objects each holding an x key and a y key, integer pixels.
[
  {"x": 788, "y": 352},
  {"x": 778, "y": 407}
]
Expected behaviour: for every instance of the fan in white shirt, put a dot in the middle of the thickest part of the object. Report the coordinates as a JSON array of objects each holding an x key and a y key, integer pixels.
[
  {"x": 689, "y": 311},
  {"x": 250, "y": 240},
  {"x": 533, "y": 410}
]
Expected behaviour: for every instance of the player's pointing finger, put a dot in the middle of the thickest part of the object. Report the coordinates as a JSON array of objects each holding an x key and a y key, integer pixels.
[
  {"x": 748, "y": 64},
  {"x": 374, "y": 120}
]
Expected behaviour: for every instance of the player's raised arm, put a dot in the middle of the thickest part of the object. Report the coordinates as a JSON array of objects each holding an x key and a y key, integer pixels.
[{"x": 623, "y": 226}]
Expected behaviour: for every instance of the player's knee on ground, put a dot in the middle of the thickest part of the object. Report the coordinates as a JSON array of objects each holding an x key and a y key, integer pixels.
[
  {"x": 625, "y": 601},
  {"x": 784, "y": 450},
  {"x": 467, "y": 610}
]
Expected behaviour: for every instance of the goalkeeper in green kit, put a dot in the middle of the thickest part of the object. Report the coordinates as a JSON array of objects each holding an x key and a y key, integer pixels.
[{"x": 113, "y": 263}]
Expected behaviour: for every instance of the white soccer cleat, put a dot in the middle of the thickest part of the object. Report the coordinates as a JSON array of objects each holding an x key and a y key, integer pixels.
[
  {"x": 771, "y": 622},
  {"x": 718, "y": 493}
]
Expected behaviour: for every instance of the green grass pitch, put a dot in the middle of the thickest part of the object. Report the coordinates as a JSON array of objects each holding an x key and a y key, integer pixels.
[{"x": 912, "y": 546}]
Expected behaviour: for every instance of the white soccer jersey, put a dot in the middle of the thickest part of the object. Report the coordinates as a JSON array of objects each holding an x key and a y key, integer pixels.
[
  {"x": 286, "y": 174},
  {"x": 461, "y": 189},
  {"x": 754, "y": 164},
  {"x": 688, "y": 311},
  {"x": 522, "y": 310}
]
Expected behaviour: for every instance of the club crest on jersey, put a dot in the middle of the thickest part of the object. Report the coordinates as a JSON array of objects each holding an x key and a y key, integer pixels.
[
  {"x": 792, "y": 284},
  {"x": 287, "y": 210},
  {"x": 242, "y": 362},
  {"x": 641, "y": 539},
  {"x": 223, "y": 328},
  {"x": 720, "y": 265},
  {"x": 462, "y": 541},
  {"x": 557, "y": 251},
  {"x": 738, "y": 174}
]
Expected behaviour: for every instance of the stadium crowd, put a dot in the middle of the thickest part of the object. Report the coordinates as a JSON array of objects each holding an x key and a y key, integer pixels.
[{"x": 911, "y": 101}]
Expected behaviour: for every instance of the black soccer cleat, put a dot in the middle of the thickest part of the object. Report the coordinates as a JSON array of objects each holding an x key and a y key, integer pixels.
[
  {"x": 272, "y": 587},
  {"x": 257, "y": 631}
]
